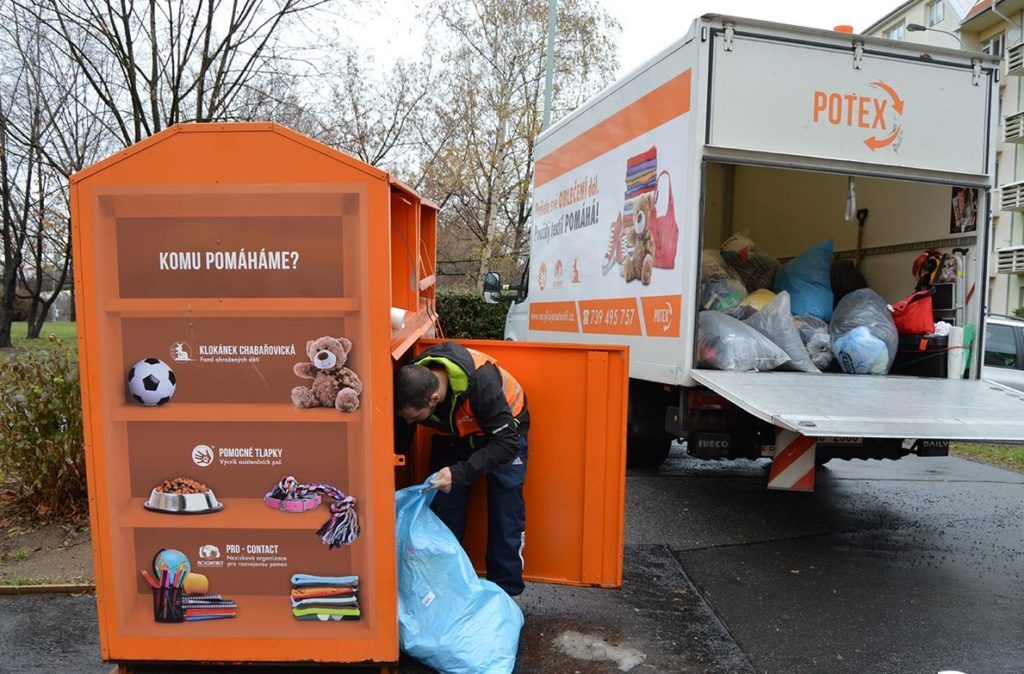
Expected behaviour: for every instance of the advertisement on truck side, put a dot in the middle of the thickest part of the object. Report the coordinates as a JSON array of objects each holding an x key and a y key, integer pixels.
[{"x": 605, "y": 254}]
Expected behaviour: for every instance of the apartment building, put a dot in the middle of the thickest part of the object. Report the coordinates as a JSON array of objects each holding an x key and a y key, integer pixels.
[{"x": 993, "y": 27}]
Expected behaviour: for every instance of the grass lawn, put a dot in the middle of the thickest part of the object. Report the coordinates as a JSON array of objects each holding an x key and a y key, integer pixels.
[
  {"x": 1007, "y": 456},
  {"x": 65, "y": 330}
]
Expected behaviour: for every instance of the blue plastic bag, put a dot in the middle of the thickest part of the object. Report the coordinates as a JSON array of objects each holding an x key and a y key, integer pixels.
[
  {"x": 448, "y": 618},
  {"x": 807, "y": 278},
  {"x": 864, "y": 335}
]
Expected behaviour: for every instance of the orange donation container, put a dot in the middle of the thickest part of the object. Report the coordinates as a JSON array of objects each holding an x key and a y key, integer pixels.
[{"x": 244, "y": 294}]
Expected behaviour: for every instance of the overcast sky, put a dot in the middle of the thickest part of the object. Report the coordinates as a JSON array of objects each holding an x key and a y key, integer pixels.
[
  {"x": 388, "y": 29},
  {"x": 661, "y": 22}
]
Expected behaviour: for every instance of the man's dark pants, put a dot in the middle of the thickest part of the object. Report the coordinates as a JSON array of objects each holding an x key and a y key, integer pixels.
[{"x": 506, "y": 512}]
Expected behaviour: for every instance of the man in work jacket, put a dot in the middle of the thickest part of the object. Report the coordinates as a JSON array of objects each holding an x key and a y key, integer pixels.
[{"x": 479, "y": 411}]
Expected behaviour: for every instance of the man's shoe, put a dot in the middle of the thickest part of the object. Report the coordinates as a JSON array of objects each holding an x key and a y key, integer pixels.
[{"x": 614, "y": 254}]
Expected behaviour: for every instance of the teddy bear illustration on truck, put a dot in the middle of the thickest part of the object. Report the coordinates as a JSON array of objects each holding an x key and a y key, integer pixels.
[{"x": 640, "y": 239}]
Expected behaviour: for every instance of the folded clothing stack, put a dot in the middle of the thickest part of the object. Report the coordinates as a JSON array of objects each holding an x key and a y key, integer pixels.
[
  {"x": 642, "y": 173},
  {"x": 208, "y": 607},
  {"x": 325, "y": 598}
]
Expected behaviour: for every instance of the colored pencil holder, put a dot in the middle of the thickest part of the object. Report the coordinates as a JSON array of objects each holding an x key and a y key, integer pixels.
[{"x": 167, "y": 606}]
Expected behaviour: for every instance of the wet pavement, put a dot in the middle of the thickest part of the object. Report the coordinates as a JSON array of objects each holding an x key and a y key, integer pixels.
[
  {"x": 908, "y": 566},
  {"x": 914, "y": 565}
]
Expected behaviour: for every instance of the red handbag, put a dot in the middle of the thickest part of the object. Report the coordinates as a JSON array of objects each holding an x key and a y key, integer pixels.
[
  {"x": 913, "y": 314},
  {"x": 665, "y": 230}
]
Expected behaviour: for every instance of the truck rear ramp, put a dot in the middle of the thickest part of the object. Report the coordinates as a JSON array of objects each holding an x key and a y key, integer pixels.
[{"x": 864, "y": 406}]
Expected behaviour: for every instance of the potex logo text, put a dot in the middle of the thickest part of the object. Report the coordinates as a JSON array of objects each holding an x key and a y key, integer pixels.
[{"x": 879, "y": 113}]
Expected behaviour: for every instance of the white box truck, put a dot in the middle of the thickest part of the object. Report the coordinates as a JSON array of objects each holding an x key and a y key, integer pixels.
[{"x": 781, "y": 133}]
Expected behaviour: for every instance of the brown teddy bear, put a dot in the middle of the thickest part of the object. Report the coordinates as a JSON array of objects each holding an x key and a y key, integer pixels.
[
  {"x": 334, "y": 385},
  {"x": 639, "y": 261}
]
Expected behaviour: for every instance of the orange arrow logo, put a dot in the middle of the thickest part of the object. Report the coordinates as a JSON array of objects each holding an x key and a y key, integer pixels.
[
  {"x": 897, "y": 102},
  {"x": 874, "y": 143}
]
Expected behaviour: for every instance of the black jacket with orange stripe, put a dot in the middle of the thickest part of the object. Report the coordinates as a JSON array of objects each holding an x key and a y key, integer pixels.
[{"x": 485, "y": 405}]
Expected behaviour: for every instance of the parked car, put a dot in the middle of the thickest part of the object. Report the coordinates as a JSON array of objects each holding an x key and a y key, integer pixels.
[{"x": 1004, "y": 351}]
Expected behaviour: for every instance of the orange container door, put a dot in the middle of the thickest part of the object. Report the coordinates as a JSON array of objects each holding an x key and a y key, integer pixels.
[{"x": 576, "y": 473}]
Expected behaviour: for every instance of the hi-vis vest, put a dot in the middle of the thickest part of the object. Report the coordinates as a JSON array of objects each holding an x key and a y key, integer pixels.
[{"x": 464, "y": 420}]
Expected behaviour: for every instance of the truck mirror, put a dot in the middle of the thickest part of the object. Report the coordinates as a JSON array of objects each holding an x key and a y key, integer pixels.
[{"x": 492, "y": 287}]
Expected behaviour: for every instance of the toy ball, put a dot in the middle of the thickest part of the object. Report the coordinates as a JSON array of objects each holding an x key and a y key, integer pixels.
[
  {"x": 151, "y": 382},
  {"x": 171, "y": 561}
]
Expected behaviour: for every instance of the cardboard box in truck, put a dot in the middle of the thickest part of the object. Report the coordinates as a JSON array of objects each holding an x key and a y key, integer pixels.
[{"x": 782, "y": 134}]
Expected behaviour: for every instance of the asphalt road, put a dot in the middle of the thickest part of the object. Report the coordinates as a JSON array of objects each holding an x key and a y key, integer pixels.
[
  {"x": 914, "y": 565},
  {"x": 908, "y": 566}
]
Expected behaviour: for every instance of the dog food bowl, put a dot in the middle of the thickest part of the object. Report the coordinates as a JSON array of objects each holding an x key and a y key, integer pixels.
[{"x": 183, "y": 504}]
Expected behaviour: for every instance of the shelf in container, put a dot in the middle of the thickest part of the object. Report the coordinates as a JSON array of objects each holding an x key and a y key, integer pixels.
[
  {"x": 272, "y": 412},
  {"x": 259, "y": 616},
  {"x": 235, "y": 306},
  {"x": 238, "y": 513},
  {"x": 417, "y": 325}
]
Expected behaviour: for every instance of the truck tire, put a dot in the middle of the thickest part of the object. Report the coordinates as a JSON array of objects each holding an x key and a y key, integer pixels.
[{"x": 647, "y": 453}]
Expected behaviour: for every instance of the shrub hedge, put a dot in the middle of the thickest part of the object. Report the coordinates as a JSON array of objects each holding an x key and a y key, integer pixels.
[
  {"x": 41, "y": 438},
  {"x": 465, "y": 315}
]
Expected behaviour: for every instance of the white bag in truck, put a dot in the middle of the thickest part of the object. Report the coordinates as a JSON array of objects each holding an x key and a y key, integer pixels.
[{"x": 724, "y": 343}]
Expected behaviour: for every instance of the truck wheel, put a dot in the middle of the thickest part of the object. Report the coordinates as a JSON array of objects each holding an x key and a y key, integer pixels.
[{"x": 647, "y": 453}]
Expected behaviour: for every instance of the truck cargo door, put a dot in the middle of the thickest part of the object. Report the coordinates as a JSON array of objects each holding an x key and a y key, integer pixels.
[
  {"x": 576, "y": 471},
  {"x": 879, "y": 111},
  {"x": 839, "y": 405}
]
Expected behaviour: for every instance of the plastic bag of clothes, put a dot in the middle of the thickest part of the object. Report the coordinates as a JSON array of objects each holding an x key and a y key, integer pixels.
[
  {"x": 864, "y": 337},
  {"x": 724, "y": 343},
  {"x": 758, "y": 299},
  {"x": 741, "y": 312},
  {"x": 751, "y": 304},
  {"x": 720, "y": 285},
  {"x": 817, "y": 340},
  {"x": 807, "y": 278},
  {"x": 776, "y": 323},
  {"x": 448, "y": 618},
  {"x": 756, "y": 267}
]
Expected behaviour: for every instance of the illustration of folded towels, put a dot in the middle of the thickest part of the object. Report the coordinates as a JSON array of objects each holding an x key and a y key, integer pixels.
[
  {"x": 307, "y": 580},
  {"x": 642, "y": 157},
  {"x": 311, "y": 592},
  {"x": 326, "y": 614},
  {"x": 651, "y": 165},
  {"x": 642, "y": 178},
  {"x": 334, "y": 602}
]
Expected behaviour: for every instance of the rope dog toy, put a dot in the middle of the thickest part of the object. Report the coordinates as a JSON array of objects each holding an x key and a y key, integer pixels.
[{"x": 289, "y": 495}]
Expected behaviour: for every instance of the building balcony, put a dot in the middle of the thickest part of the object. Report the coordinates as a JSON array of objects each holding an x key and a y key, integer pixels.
[
  {"x": 1010, "y": 260},
  {"x": 1015, "y": 60},
  {"x": 1013, "y": 128},
  {"x": 1011, "y": 197}
]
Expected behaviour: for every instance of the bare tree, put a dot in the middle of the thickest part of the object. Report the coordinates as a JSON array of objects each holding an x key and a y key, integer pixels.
[
  {"x": 54, "y": 122},
  {"x": 175, "y": 62},
  {"x": 489, "y": 110},
  {"x": 18, "y": 165},
  {"x": 48, "y": 250},
  {"x": 85, "y": 77},
  {"x": 377, "y": 117}
]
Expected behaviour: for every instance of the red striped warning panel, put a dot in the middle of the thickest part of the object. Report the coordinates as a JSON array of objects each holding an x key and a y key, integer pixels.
[{"x": 793, "y": 465}]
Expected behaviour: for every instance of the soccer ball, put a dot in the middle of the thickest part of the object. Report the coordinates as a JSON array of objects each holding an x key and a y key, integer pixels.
[{"x": 151, "y": 382}]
